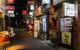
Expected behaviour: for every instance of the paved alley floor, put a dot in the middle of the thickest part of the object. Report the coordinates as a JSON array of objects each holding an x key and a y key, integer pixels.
[
  {"x": 29, "y": 44},
  {"x": 24, "y": 42},
  {"x": 32, "y": 44}
]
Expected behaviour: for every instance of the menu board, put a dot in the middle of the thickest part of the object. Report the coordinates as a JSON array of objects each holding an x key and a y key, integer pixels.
[{"x": 66, "y": 24}]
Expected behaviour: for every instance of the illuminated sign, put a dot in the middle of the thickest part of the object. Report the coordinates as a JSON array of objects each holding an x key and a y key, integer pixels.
[
  {"x": 69, "y": 9},
  {"x": 10, "y": 1},
  {"x": 44, "y": 25},
  {"x": 31, "y": 13},
  {"x": 46, "y": 1},
  {"x": 24, "y": 12},
  {"x": 31, "y": 7},
  {"x": 10, "y": 8},
  {"x": 10, "y": 13}
]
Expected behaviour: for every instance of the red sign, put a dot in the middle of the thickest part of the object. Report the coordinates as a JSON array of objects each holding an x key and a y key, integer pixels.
[
  {"x": 10, "y": 1},
  {"x": 24, "y": 12},
  {"x": 10, "y": 8}
]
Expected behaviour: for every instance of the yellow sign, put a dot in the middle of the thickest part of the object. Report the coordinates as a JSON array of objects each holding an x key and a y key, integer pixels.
[{"x": 66, "y": 38}]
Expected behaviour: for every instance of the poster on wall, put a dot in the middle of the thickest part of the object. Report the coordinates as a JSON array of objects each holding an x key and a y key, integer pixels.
[
  {"x": 69, "y": 9},
  {"x": 36, "y": 27},
  {"x": 44, "y": 23},
  {"x": 66, "y": 38}
]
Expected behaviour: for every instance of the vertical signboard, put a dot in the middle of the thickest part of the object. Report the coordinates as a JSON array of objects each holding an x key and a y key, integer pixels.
[
  {"x": 44, "y": 23},
  {"x": 36, "y": 27}
]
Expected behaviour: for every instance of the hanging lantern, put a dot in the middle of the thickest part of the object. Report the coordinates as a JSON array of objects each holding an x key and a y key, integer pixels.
[{"x": 24, "y": 12}]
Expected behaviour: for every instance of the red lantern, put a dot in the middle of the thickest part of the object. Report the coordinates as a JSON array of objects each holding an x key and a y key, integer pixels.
[{"x": 24, "y": 12}]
